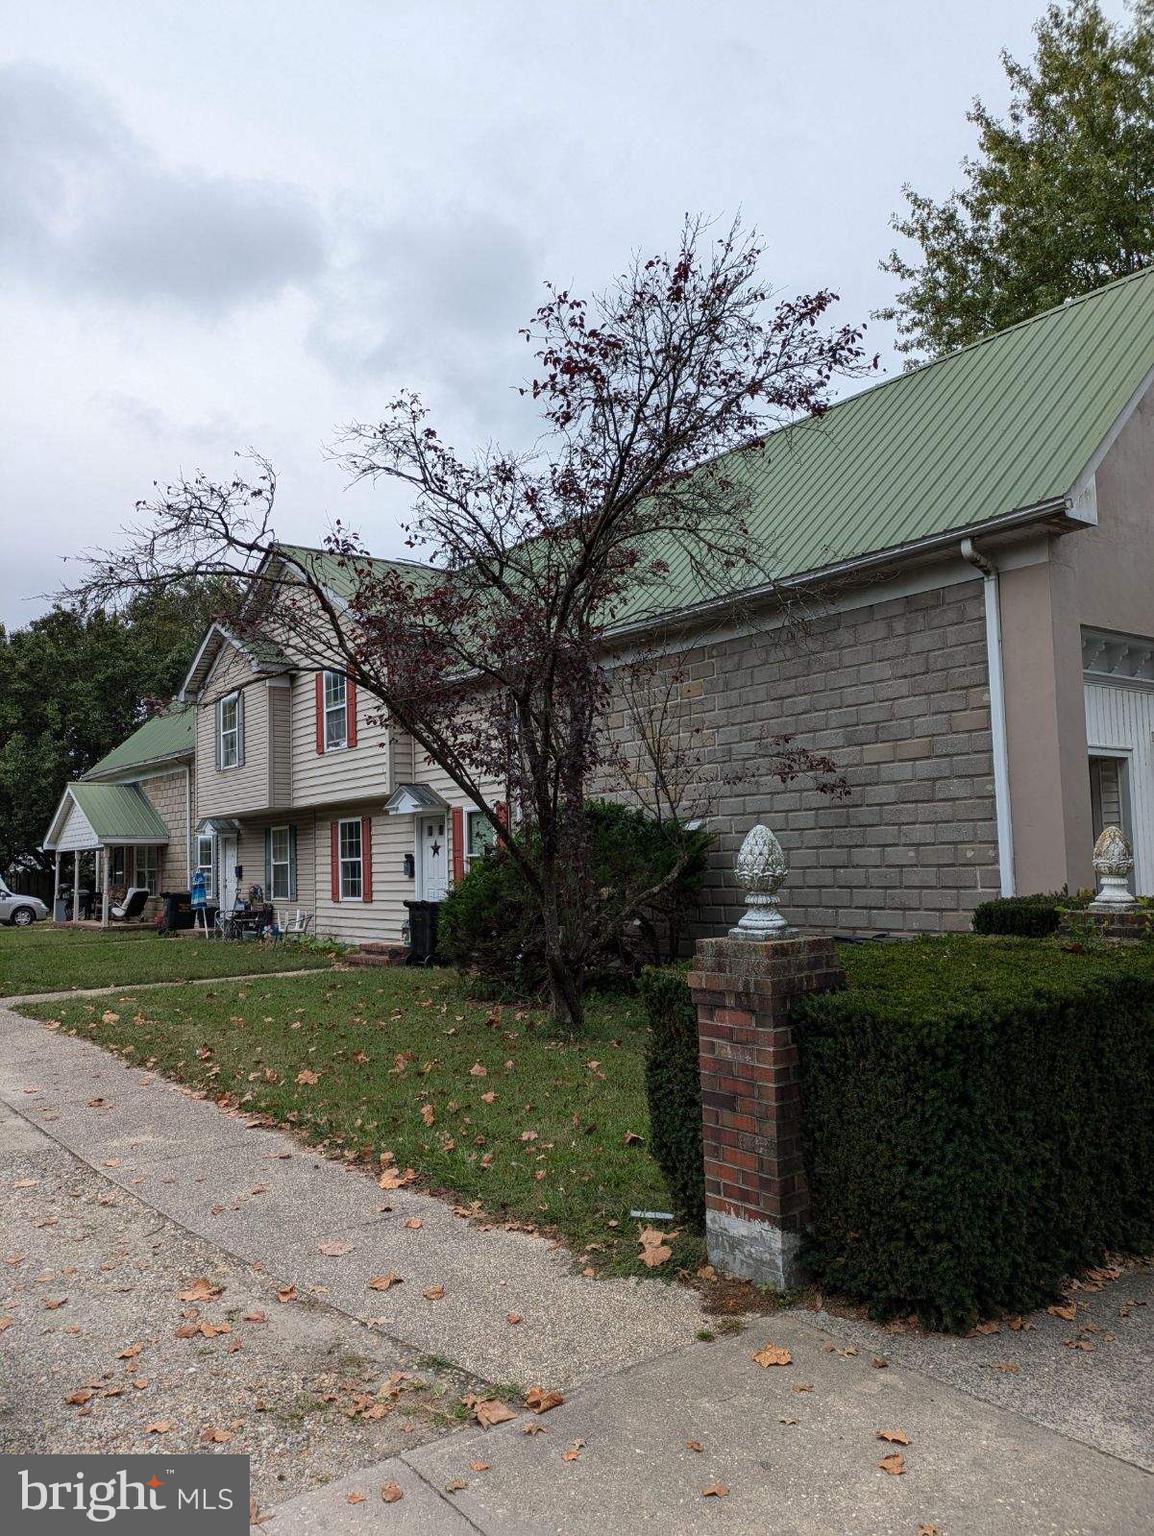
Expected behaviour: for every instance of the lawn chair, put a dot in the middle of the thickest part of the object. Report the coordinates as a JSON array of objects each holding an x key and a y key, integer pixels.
[
  {"x": 131, "y": 907},
  {"x": 299, "y": 927}
]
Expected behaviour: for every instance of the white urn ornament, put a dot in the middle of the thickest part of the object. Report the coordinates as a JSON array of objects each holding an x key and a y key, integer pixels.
[
  {"x": 760, "y": 868},
  {"x": 1113, "y": 862}
]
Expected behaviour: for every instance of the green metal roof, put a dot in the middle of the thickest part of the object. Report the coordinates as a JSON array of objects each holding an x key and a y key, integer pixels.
[
  {"x": 171, "y": 734},
  {"x": 1006, "y": 424},
  {"x": 339, "y": 578},
  {"x": 1001, "y": 427},
  {"x": 119, "y": 813}
]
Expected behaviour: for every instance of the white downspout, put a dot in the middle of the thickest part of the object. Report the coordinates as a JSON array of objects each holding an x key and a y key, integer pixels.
[
  {"x": 998, "y": 741},
  {"x": 188, "y": 824}
]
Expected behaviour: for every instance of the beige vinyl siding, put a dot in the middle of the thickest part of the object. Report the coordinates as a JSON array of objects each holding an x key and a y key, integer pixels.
[
  {"x": 233, "y": 791},
  {"x": 345, "y": 774},
  {"x": 280, "y": 778},
  {"x": 360, "y": 922},
  {"x": 252, "y": 858}
]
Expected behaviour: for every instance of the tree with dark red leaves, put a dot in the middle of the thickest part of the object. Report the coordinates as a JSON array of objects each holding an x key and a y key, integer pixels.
[{"x": 539, "y": 580}]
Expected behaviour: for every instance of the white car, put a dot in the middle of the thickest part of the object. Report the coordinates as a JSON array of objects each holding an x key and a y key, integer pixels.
[{"x": 20, "y": 911}]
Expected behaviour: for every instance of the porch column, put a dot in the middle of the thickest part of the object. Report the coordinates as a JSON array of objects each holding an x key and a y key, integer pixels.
[
  {"x": 76, "y": 885},
  {"x": 55, "y": 882},
  {"x": 105, "y": 861}
]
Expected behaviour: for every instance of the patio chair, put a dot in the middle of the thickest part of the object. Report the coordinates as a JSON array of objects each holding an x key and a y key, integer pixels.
[
  {"x": 299, "y": 927},
  {"x": 132, "y": 905}
]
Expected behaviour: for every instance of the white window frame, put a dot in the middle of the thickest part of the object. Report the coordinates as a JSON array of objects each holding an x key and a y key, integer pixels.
[
  {"x": 285, "y": 865},
  {"x": 350, "y": 867},
  {"x": 147, "y": 868},
  {"x": 336, "y": 710},
  {"x": 477, "y": 819},
  {"x": 206, "y": 839},
  {"x": 228, "y": 734}
]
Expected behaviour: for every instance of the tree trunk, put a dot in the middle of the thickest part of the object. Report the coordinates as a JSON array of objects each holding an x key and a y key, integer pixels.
[{"x": 565, "y": 994}]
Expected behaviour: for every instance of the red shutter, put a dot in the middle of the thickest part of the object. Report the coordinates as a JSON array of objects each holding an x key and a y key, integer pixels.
[
  {"x": 351, "y": 712},
  {"x": 458, "y": 842},
  {"x": 502, "y": 814},
  {"x": 320, "y": 682},
  {"x": 366, "y": 858},
  {"x": 334, "y": 861}
]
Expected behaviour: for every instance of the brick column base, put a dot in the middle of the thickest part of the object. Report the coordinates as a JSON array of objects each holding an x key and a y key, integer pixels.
[{"x": 756, "y": 1197}]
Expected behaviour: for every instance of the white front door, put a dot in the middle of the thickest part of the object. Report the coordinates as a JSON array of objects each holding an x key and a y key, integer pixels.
[
  {"x": 433, "y": 857},
  {"x": 226, "y": 852}
]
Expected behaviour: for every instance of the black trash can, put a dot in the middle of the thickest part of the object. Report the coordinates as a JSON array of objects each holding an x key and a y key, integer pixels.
[
  {"x": 423, "y": 932},
  {"x": 177, "y": 910}
]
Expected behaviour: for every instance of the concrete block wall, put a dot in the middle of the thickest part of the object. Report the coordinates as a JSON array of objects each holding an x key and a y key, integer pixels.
[{"x": 896, "y": 693}]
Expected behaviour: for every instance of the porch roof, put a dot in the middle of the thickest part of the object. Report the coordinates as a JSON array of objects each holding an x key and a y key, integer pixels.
[
  {"x": 406, "y": 799},
  {"x": 97, "y": 815},
  {"x": 169, "y": 736}
]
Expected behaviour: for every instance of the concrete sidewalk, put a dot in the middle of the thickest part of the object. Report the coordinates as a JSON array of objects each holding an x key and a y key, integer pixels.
[{"x": 795, "y": 1446}]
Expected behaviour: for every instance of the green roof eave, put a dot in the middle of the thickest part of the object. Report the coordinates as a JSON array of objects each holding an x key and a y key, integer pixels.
[{"x": 166, "y": 738}]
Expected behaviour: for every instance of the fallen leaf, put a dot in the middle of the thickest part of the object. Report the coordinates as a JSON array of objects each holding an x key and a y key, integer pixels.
[
  {"x": 1067, "y": 1312},
  {"x": 456, "y": 1485},
  {"x": 131, "y": 1352},
  {"x": 414, "y": 1223},
  {"x": 1007, "y": 1367},
  {"x": 489, "y": 1097},
  {"x": 81, "y": 1395},
  {"x": 490, "y": 1411},
  {"x": 160, "y": 1427},
  {"x": 334, "y": 1250},
  {"x": 287, "y": 1293},
  {"x": 391, "y": 1492},
  {"x": 254, "y": 1317},
  {"x": 212, "y": 1436},
  {"x": 879, "y": 1364},
  {"x": 535, "y": 1429},
  {"x": 383, "y": 1282},
  {"x": 428, "y": 1114},
  {"x": 513, "y": 1317},
  {"x": 929, "y": 1530},
  {"x": 694, "y": 1445},
  {"x": 479, "y": 1466},
  {"x": 354, "y": 1498},
  {"x": 655, "y": 1248},
  {"x": 6, "y": 1322},
  {"x": 540, "y": 1401},
  {"x": 894, "y": 1464},
  {"x": 771, "y": 1354},
  {"x": 714, "y": 1491},
  {"x": 305, "y": 1076},
  {"x": 477, "y": 1070},
  {"x": 433, "y": 1292},
  {"x": 201, "y": 1290},
  {"x": 574, "y": 1451},
  {"x": 631, "y": 1139},
  {"x": 391, "y": 1178},
  {"x": 893, "y": 1436},
  {"x": 210, "y": 1329},
  {"x": 53, "y": 1302},
  {"x": 140, "y": 1382}
]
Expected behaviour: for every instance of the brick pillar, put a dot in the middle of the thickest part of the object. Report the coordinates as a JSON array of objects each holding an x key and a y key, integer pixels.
[{"x": 756, "y": 1199}]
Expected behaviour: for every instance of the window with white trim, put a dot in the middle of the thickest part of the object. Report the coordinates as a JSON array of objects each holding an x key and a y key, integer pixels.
[
  {"x": 228, "y": 728},
  {"x": 118, "y": 866},
  {"x": 147, "y": 868},
  {"x": 351, "y": 869},
  {"x": 479, "y": 835},
  {"x": 336, "y": 711},
  {"x": 280, "y": 860},
  {"x": 206, "y": 863}
]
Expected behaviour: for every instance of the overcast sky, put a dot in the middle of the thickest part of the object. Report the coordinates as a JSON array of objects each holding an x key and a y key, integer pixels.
[{"x": 236, "y": 222}]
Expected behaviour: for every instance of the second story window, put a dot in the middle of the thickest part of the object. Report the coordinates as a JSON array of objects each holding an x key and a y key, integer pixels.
[
  {"x": 336, "y": 711},
  {"x": 230, "y": 730}
]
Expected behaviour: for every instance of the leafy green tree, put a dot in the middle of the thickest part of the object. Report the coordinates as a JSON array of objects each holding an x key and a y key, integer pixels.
[
  {"x": 1059, "y": 198},
  {"x": 73, "y": 686}
]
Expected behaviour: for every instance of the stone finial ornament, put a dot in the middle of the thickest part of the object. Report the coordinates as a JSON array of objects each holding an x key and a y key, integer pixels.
[
  {"x": 1113, "y": 862},
  {"x": 760, "y": 868}
]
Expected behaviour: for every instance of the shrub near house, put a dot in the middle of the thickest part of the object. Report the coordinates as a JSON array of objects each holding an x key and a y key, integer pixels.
[{"x": 978, "y": 1118}]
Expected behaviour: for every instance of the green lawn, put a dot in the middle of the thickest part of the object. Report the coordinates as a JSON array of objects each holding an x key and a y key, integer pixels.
[
  {"x": 46, "y": 959},
  {"x": 480, "y": 1100}
]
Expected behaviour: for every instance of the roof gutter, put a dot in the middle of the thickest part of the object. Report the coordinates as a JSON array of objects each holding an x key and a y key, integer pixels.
[
  {"x": 933, "y": 543},
  {"x": 999, "y": 744}
]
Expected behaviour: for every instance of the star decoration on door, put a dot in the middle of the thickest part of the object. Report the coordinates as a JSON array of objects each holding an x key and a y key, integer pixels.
[{"x": 435, "y": 849}]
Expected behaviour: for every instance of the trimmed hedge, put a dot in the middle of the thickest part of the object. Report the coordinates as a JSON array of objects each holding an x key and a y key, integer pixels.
[
  {"x": 673, "y": 1088},
  {"x": 979, "y": 1121},
  {"x": 1024, "y": 917}
]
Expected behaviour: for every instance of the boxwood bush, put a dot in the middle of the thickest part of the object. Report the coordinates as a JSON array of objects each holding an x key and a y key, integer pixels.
[
  {"x": 673, "y": 1088},
  {"x": 1024, "y": 917},
  {"x": 979, "y": 1121}
]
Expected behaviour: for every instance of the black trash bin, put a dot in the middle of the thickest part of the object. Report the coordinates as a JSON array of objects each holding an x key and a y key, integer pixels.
[
  {"x": 177, "y": 910},
  {"x": 422, "y": 932}
]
